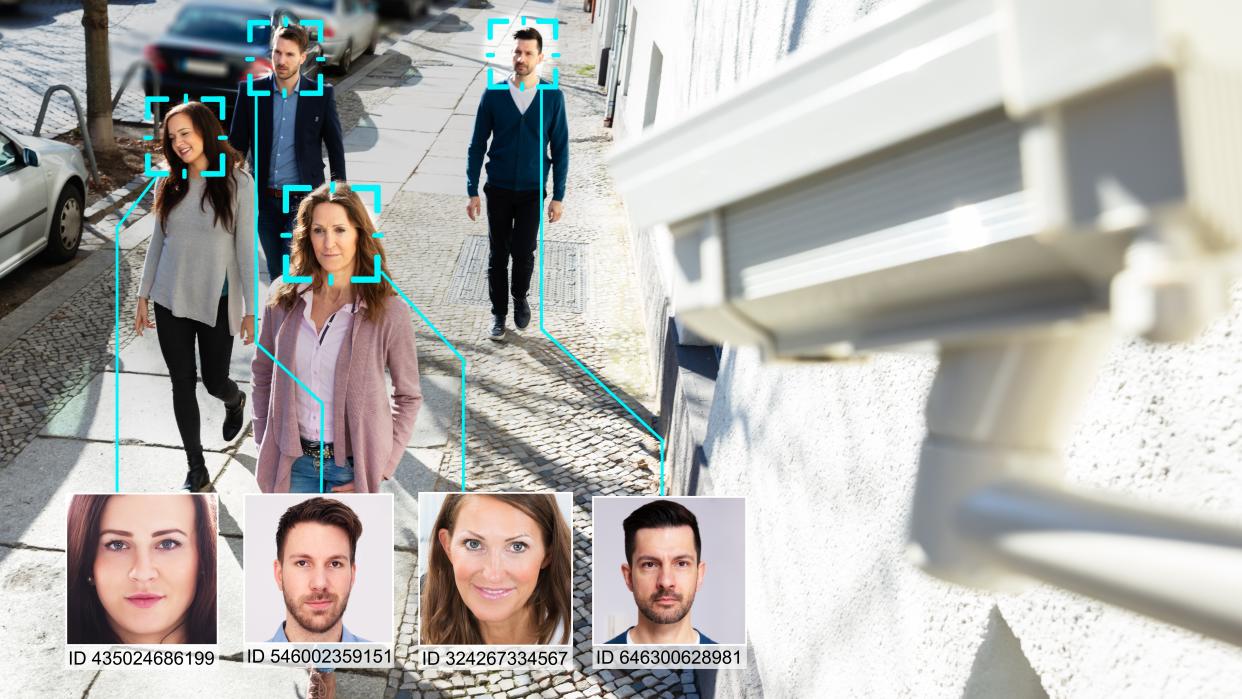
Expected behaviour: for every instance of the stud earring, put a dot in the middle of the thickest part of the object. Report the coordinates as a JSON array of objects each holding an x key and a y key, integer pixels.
[{"x": 90, "y": 580}]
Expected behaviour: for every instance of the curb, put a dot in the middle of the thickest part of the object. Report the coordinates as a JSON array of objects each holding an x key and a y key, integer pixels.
[
  {"x": 36, "y": 308},
  {"x": 113, "y": 201}
]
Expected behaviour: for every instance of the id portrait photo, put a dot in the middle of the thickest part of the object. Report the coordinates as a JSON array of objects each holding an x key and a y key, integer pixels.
[
  {"x": 318, "y": 568},
  {"x": 496, "y": 568},
  {"x": 668, "y": 571},
  {"x": 141, "y": 569}
]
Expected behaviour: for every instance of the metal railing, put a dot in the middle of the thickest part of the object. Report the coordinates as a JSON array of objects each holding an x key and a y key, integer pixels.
[{"x": 77, "y": 108}]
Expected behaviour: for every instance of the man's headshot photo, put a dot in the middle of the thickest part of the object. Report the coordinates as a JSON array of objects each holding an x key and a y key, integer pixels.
[
  {"x": 323, "y": 573},
  {"x": 681, "y": 566}
]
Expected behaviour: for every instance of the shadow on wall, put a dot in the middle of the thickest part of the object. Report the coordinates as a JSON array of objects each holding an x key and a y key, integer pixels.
[{"x": 1000, "y": 668}]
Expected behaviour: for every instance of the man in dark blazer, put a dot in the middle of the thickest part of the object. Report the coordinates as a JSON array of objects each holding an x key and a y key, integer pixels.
[{"x": 292, "y": 126}]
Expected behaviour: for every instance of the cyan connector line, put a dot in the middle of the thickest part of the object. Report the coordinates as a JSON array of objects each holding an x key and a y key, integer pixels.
[
  {"x": 452, "y": 349},
  {"x": 543, "y": 329},
  {"x": 116, "y": 343},
  {"x": 256, "y": 297}
]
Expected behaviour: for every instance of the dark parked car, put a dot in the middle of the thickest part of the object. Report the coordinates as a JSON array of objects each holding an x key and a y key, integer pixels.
[
  {"x": 405, "y": 9},
  {"x": 204, "y": 52}
]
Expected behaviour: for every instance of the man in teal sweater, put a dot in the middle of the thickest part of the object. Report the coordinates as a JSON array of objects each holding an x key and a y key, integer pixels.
[{"x": 517, "y": 116}]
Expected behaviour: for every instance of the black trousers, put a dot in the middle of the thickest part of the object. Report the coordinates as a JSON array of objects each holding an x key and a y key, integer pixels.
[
  {"x": 273, "y": 222},
  {"x": 215, "y": 346},
  {"x": 513, "y": 232}
]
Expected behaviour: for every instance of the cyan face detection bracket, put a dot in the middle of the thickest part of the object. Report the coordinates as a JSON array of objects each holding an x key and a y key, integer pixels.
[
  {"x": 1035, "y": 205},
  {"x": 492, "y": 23},
  {"x": 148, "y": 171}
]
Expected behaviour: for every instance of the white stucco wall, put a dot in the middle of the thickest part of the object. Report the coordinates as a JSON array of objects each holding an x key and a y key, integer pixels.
[{"x": 827, "y": 455}]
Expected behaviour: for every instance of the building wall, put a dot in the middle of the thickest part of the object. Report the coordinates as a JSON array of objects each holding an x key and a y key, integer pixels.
[{"x": 826, "y": 454}]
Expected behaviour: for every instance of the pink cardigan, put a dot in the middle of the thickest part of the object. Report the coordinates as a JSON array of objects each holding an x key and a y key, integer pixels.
[{"x": 368, "y": 428}]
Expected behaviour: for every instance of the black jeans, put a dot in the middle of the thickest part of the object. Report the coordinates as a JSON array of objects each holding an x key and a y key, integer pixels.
[
  {"x": 215, "y": 346},
  {"x": 513, "y": 231},
  {"x": 272, "y": 222}
]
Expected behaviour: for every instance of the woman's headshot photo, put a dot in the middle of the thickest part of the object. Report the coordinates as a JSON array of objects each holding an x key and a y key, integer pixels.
[
  {"x": 142, "y": 569},
  {"x": 498, "y": 568},
  {"x": 335, "y": 322}
]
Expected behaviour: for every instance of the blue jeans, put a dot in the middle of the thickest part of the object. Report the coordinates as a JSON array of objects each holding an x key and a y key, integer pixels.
[
  {"x": 305, "y": 476},
  {"x": 273, "y": 222}
]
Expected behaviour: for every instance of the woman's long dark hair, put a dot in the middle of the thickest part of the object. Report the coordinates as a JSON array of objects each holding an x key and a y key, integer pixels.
[
  {"x": 446, "y": 620},
  {"x": 88, "y": 622},
  {"x": 221, "y": 191}
]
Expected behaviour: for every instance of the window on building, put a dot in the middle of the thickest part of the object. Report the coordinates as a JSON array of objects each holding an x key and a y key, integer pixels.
[
  {"x": 631, "y": 38},
  {"x": 653, "y": 86}
]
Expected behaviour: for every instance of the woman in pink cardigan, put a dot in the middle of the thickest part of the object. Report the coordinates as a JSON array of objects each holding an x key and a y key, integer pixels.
[{"x": 337, "y": 332}]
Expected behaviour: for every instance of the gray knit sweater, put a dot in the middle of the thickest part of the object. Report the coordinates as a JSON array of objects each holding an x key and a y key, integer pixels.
[{"x": 188, "y": 263}]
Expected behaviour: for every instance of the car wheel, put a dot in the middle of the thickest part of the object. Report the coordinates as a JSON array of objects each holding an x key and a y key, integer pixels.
[
  {"x": 347, "y": 60},
  {"x": 371, "y": 46},
  {"x": 65, "y": 234}
]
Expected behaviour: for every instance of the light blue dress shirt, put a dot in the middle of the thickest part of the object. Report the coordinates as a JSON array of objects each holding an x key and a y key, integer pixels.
[
  {"x": 346, "y": 636},
  {"x": 284, "y": 122}
]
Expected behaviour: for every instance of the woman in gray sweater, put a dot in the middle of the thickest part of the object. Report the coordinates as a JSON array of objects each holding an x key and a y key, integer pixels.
[{"x": 198, "y": 264}]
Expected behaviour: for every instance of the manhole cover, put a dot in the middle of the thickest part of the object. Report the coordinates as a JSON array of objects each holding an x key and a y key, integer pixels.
[{"x": 565, "y": 275}]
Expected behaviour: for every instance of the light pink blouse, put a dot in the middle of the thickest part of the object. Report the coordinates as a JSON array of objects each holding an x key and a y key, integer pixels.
[{"x": 315, "y": 365}]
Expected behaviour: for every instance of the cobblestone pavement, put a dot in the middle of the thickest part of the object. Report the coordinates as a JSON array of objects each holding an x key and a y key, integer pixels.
[
  {"x": 534, "y": 421},
  {"x": 45, "y": 44},
  {"x": 57, "y": 358}
]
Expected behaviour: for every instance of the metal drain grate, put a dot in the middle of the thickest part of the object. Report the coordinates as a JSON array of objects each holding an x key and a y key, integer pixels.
[{"x": 565, "y": 274}]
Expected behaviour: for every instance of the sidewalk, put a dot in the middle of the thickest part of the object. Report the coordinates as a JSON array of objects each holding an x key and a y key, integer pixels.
[{"x": 533, "y": 422}]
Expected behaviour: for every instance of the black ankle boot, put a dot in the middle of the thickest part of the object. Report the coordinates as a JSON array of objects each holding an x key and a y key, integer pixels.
[
  {"x": 234, "y": 416},
  {"x": 196, "y": 478}
]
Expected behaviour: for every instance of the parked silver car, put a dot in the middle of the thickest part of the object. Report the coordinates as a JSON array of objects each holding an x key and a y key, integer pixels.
[
  {"x": 351, "y": 28},
  {"x": 42, "y": 196}
]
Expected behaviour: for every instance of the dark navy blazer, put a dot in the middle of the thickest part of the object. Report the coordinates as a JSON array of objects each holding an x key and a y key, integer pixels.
[{"x": 317, "y": 123}]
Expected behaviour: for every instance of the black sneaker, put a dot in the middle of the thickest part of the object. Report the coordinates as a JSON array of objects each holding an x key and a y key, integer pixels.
[
  {"x": 233, "y": 418},
  {"x": 521, "y": 313},
  {"x": 498, "y": 329}
]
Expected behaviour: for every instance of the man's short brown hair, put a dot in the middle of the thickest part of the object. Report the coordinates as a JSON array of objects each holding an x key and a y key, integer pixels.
[
  {"x": 528, "y": 34},
  {"x": 327, "y": 511},
  {"x": 295, "y": 33}
]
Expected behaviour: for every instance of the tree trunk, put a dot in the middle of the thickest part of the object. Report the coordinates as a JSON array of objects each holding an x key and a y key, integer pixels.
[{"x": 98, "y": 77}]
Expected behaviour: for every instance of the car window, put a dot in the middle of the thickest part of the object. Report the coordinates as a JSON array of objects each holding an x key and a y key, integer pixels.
[
  {"x": 322, "y": 4},
  {"x": 8, "y": 155},
  {"x": 220, "y": 24}
]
